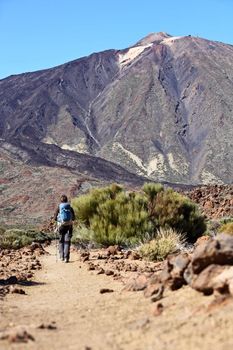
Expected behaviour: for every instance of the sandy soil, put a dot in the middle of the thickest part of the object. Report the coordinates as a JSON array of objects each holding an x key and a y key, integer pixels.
[{"x": 69, "y": 295}]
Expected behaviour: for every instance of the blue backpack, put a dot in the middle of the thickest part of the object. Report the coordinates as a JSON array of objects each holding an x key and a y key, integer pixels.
[{"x": 64, "y": 213}]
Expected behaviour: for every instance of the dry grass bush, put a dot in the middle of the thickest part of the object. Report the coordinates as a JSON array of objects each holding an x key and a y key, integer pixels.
[
  {"x": 227, "y": 228},
  {"x": 166, "y": 241}
]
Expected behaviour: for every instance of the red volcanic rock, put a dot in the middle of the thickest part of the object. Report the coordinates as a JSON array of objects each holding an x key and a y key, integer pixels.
[
  {"x": 136, "y": 283},
  {"x": 112, "y": 250},
  {"x": 215, "y": 251},
  {"x": 202, "y": 240},
  {"x": 216, "y": 201},
  {"x": 16, "y": 267},
  {"x": 204, "y": 280}
]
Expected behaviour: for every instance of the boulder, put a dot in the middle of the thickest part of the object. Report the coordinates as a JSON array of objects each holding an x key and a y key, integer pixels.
[
  {"x": 136, "y": 283},
  {"x": 134, "y": 256},
  {"x": 223, "y": 282},
  {"x": 218, "y": 250},
  {"x": 172, "y": 275},
  {"x": 204, "y": 281},
  {"x": 214, "y": 278}
]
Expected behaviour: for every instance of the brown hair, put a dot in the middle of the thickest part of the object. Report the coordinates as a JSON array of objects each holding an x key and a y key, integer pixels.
[{"x": 64, "y": 198}]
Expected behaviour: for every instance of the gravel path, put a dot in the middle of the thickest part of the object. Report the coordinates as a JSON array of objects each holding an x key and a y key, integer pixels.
[{"x": 67, "y": 298}]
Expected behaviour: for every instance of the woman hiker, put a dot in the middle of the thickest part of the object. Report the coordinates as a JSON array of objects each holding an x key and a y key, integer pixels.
[{"x": 64, "y": 216}]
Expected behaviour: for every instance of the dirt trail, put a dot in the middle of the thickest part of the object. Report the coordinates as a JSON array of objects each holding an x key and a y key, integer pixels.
[{"x": 69, "y": 295}]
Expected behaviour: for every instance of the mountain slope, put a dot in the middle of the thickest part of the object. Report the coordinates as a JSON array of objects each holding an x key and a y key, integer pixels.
[{"x": 162, "y": 108}]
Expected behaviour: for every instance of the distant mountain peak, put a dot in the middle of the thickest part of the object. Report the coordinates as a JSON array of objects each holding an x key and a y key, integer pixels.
[
  {"x": 160, "y": 109},
  {"x": 152, "y": 37}
]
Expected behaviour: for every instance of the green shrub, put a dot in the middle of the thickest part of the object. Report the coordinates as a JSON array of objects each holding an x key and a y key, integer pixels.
[
  {"x": 86, "y": 206},
  {"x": 122, "y": 220},
  {"x": 171, "y": 209},
  {"x": 166, "y": 242},
  {"x": 227, "y": 228},
  {"x": 17, "y": 238},
  {"x": 114, "y": 216},
  {"x": 14, "y": 239},
  {"x": 2, "y": 230},
  {"x": 152, "y": 189},
  {"x": 82, "y": 235}
]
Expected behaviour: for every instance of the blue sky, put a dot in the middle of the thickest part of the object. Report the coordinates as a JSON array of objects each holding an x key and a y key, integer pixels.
[{"x": 37, "y": 34}]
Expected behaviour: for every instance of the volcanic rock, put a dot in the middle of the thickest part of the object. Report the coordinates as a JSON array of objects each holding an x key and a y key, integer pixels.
[
  {"x": 218, "y": 250},
  {"x": 106, "y": 290},
  {"x": 136, "y": 283}
]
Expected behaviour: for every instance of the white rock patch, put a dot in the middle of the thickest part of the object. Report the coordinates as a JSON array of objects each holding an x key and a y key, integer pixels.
[
  {"x": 156, "y": 164},
  {"x": 80, "y": 147},
  {"x": 170, "y": 41},
  {"x": 172, "y": 162},
  {"x": 209, "y": 178},
  {"x": 131, "y": 155},
  {"x": 131, "y": 54},
  {"x": 49, "y": 140}
]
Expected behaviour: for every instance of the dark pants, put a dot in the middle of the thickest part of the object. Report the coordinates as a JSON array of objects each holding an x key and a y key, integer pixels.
[{"x": 65, "y": 233}]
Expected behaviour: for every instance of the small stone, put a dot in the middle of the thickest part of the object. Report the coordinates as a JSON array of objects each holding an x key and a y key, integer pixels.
[
  {"x": 159, "y": 295},
  {"x": 12, "y": 280},
  {"x": 50, "y": 326},
  {"x": 112, "y": 250},
  {"x": 15, "y": 290},
  {"x": 139, "y": 324},
  {"x": 91, "y": 267},
  {"x": 106, "y": 290},
  {"x": 157, "y": 309},
  {"x": 17, "y": 335},
  {"x": 109, "y": 272}
]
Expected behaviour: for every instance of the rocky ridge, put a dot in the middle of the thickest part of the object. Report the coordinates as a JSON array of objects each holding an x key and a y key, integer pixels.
[{"x": 215, "y": 201}]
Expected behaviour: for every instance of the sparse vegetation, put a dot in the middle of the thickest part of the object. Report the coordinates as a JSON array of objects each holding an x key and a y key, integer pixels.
[
  {"x": 226, "y": 220},
  {"x": 18, "y": 238},
  {"x": 166, "y": 241}
]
